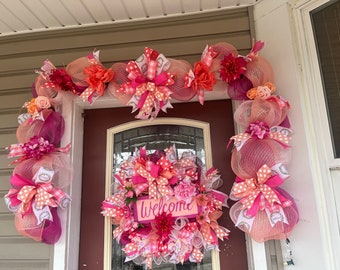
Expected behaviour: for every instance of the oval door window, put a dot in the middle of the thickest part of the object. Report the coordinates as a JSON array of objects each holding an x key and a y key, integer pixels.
[{"x": 122, "y": 141}]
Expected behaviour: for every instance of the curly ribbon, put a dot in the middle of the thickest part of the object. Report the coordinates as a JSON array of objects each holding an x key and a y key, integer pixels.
[
  {"x": 35, "y": 148},
  {"x": 259, "y": 193},
  {"x": 28, "y": 196},
  {"x": 277, "y": 133}
]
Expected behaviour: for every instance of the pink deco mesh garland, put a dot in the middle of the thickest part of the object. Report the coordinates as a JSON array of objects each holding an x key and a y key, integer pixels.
[{"x": 150, "y": 86}]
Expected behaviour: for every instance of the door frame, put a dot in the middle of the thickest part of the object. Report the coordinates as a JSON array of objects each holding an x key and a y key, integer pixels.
[{"x": 66, "y": 250}]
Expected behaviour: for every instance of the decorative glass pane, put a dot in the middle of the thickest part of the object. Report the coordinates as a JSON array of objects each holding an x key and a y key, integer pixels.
[
  {"x": 156, "y": 137},
  {"x": 326, "y": 23}
]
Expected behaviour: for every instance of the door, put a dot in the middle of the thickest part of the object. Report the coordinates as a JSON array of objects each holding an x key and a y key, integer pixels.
[{"x": 220, "y": 117}]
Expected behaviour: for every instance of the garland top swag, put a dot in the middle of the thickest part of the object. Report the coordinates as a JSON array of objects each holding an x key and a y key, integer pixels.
[{"x": 150, "y": 82}]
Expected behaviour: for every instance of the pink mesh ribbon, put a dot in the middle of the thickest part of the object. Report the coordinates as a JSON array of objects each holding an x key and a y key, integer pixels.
[
  {"x": 52, "y": 78},
  {"x": 48, "y": 124},
  {"x": 242, "y": 73},
  {"x": 48, "y": 232},
  {"x": 270, "y": 223},
  {"x": 55, "y": 167},
  {"x": 271, "y": 111},
  {"x": 259, "y": 130},
  {"x": 34, "y": 203}
]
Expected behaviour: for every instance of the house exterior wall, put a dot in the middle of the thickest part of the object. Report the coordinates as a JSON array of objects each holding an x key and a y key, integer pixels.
[{"x": 314, "y": 183}]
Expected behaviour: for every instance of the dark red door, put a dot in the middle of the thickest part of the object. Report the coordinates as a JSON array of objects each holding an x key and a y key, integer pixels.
[{"x": 220, "y": 116}]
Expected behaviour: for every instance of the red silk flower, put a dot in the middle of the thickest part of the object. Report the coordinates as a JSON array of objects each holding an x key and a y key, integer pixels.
[
  {"x": 232, "y": 68},
  {"x": 60, "y": 78},
  {"x": 163, "y": 225},
  {"x": 204, "y": 79},
  {"x": 98, "y": 76}
]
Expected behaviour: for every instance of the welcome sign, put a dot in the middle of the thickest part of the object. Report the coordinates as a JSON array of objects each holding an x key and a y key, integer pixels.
[{"x": 146, "y": 209}]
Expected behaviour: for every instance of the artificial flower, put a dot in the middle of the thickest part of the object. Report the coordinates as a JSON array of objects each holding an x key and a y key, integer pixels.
[
  {"x": 263, "y": 91},
  {"x": 258, "y": 129},
  {"x": 60, "y": 78},
  {"x": 163, "y": 225},
  {"x": 185, "y": 192},
  {"x": 37, "y": 147},
  {"x": 204, "y": 79},
  {"x": 31, "y": 107},
  {"x": 203, "y": 218},
  {"x": 97, "y": 77},
  {"x": 202, "y": 199},
  {"x": 42, "y": 102},
  {"x": 232, "y": 68}
]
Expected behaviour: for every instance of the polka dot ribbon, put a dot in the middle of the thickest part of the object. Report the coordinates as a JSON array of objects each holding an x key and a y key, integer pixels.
[
  {"x": 158, "y": 187},
  {"x": 251, "y": 188},
  {"x": 42, "y": 195}
]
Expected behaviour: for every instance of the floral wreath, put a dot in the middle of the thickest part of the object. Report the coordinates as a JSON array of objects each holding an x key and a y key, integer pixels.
[
  {"x": 166, "y": 208},
  {"x": 259, "y": 155}
]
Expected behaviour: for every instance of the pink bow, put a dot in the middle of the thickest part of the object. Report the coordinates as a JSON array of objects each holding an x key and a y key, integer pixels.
[
  {"x": 26, "y": 192},
  {"x": 151, "y": 96},
  {"x": 148, "y": 84},
  {"x": 158, "y": 185},
  {"x": 254, "y": 190}
]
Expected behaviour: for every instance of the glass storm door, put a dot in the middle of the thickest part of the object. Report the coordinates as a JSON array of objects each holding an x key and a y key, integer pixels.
[
  {"x": 111, "y": 135},
  {"x": 122, "y": 141}
]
